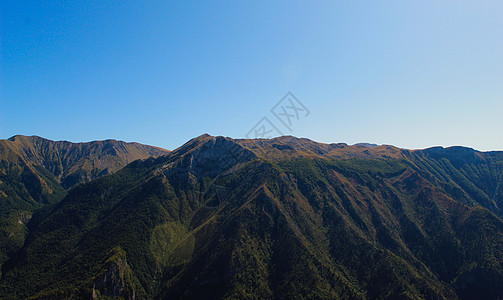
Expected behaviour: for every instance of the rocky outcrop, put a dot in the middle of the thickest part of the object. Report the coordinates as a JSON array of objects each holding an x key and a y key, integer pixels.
[
  {"x": 207, "y": 156},
  {"x": 116, "y": 279}
]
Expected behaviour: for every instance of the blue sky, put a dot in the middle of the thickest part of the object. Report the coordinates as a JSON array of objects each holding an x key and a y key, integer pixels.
[{"x": 413, "y": 74}]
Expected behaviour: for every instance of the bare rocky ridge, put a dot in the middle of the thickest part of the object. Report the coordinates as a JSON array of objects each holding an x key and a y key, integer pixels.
[
  {"x": 208, "y": 156},
  {"x": 116, "y": 280}
]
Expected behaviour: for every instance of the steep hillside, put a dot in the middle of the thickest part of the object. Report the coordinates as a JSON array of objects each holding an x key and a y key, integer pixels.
[
  {"x": 35, "y": 172},
  {"x": 282, "y": 218}
]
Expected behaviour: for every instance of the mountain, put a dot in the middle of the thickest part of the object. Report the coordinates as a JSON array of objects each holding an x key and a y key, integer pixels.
[
  {"x": 73, "y": 163},
  {"x": 282, "y": 218},
  {"x": 35, "y": 172},
  {"x": 368, "y": 145}
]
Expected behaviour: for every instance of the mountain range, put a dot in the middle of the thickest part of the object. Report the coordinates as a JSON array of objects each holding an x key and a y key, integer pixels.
[{"x": 222, "y": 218}]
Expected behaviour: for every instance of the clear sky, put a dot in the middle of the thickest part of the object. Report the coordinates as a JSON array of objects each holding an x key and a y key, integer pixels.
[{"x": 413, "y": 74}]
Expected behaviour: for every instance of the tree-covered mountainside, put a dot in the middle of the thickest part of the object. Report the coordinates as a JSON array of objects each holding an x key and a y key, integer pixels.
[
  {"x": 285, "y": 218},
  {"x": 35, "y": 172}
]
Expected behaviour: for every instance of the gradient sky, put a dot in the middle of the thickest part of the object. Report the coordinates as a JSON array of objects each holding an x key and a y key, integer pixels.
[{"x": 413, "y": 74}]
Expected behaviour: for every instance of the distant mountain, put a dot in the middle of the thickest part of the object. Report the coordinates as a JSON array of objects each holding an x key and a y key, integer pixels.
[
  {"x": 35, "y": 172},
  {"x": 368, "y": 145},
  {"x": 282, "y": 218},
  {"x": 74, "y": 163}
]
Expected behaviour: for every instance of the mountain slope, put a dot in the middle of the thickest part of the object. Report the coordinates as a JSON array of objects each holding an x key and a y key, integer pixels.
[
  {"x": 35, "y": 172},
  {"x": 73, "y": 163},
  {"x": 282, "y": 218}
]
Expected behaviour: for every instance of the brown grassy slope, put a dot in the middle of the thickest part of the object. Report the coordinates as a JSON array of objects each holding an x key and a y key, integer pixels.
[{"x": 73, "y": 163}]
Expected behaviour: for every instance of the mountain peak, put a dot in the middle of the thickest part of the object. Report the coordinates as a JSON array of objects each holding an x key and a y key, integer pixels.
[
  {"x": 208, "y": 155},
  {"x": 20, "y": 137}
]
